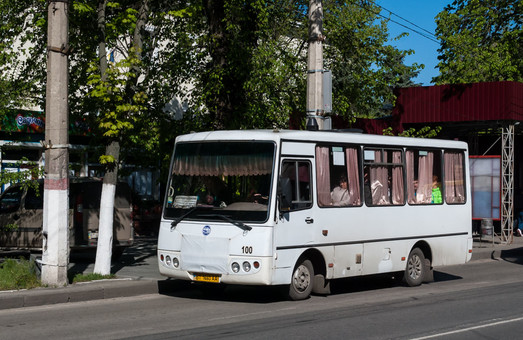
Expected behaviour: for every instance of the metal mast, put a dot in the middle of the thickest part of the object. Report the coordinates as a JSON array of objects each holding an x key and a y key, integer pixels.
[{"x": 507, "y": 187}]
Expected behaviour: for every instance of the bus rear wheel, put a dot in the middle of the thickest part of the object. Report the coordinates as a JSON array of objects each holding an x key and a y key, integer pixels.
[
  {"x": 302, "y": 281},
  {"x": 416, "y": 268}
]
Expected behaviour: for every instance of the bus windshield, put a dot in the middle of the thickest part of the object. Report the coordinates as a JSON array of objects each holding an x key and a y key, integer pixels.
[{"x": 220, "y": 180}]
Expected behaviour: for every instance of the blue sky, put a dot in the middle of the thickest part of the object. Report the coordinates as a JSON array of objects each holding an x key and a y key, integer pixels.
[{"x": 421, "y": 13}]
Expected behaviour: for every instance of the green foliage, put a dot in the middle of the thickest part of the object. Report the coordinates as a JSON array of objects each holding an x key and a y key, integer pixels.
[
  {"x": 480, "y": 41},
  {"x": 236, "y": 64},
  {"x": 18, "y": 274},
  {"x": 9, "y": 227},
  {"x": 91, "y": 277},
  {"x": 27, "y": 177},
  {"x": 424, "y": 132},
  {"x": 21, "y": 53}
]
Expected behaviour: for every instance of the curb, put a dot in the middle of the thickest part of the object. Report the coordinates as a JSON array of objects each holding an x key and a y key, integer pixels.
[
  {"x": 95, "y": 290},
  {"x": 496, "y": 251}
]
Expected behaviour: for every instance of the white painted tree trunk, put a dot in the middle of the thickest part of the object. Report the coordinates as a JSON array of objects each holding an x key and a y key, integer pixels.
[{"x": 105, "y": 231}]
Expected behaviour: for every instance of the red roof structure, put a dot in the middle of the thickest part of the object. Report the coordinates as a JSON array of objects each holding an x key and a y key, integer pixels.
[{"x": 460, "y": 103}]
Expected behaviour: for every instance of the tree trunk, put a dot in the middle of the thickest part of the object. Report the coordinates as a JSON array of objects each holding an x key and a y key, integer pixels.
[{"x": 105, "y": 228}]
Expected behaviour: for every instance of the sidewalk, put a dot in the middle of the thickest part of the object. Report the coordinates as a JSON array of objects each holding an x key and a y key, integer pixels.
[
  {"x": 494, "y": 248},
  {"x": 483, "y": 249}
]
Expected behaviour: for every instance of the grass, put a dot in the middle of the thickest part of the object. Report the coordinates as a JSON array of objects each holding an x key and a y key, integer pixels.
[
  {"x": 91, "y": 277},
  {"x": 18, "y": 274}
]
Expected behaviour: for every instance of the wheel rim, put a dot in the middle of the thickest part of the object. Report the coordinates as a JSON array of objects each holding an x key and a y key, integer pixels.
[
  {"x": 302, "y": 278},
  {"x": 415, "y": 267}
]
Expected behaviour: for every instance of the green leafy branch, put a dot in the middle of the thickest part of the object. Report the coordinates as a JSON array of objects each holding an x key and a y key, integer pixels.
[
  {"x": 27, "y": 178},
  {"x": 424, "y": 132}
]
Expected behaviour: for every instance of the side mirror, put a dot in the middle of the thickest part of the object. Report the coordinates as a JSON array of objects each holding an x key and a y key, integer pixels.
[{"x": 284, "y": 194}]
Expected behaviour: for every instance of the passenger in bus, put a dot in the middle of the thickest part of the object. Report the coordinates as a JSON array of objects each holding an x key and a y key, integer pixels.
[
  {"x": 437, "y": 198},
  {"x": 340, "y": 194},
  {"x": 366, "y": 189}
]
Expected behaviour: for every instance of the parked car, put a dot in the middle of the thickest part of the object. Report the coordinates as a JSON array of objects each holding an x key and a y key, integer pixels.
[
  {"x": 21, "y": 216},
  {"x": 146, "y": 215}
]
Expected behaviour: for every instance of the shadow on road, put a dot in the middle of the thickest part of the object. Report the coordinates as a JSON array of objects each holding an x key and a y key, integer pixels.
[
  {"x": 513, "y": 255},
  {"x": 271, "y": 294},
  {"x": 132, "y": 257},
  {"x": 135, "y": 256},
  {"x": 221, "y": 292}
]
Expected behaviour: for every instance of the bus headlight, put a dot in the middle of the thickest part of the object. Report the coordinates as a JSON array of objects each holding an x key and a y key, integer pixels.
[
  {"x": 168, "y": 260},
  {"x": 235, "y": 267},
  {"x": 246, "y": 266},
  {"x": 176, "y": 263}
]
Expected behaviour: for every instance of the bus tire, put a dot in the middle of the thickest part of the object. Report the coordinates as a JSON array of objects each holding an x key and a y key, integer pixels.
[
  {"x": 416, "y": 268},
  {"x": 302, "y": 281}
]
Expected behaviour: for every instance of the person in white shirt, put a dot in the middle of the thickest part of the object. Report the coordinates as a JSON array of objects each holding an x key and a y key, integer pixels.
[{"x": 340, "y": 194}]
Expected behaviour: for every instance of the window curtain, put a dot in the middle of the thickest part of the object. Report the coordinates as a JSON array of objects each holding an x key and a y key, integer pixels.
[
  {"x": 223, "y": 165},
  {"x": 454, "y": 184},
  {"x": 397, "y": 179},
  {"x": 425, "y": 167},
  {"x": 323, "y": 176},
  {"x": 379, "y": 183},
  {"x": 411, "y": 192},
  {"x": 353, "y": 176}
]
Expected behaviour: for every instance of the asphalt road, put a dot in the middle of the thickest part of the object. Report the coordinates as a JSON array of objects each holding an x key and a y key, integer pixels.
[{"x": 481, "y": 299}]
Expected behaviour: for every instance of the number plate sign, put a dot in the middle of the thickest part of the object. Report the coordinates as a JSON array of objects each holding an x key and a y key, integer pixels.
[{"x": 206, "y": 278}]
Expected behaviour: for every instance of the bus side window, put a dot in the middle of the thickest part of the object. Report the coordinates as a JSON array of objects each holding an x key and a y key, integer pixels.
[
  {"x": 454, "y": 177},
  {"x": 383, "y": 177},
  {"x": 423, "y": 177},
  {"x": 338, "y": 176},
  {"x": 299, "y": 174}
]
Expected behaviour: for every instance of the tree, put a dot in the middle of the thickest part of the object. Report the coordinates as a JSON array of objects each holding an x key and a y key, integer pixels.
[
  {"x": 236, "y": 64},
  {"x": 247, "y": 61},
  {"x": 480, "y": 41},
  {"x": 120, "y": 90},
  {"x": 365, "y": 67},
  {"x": 111, "y": 96},
  {"x": 22, "y": 53}
]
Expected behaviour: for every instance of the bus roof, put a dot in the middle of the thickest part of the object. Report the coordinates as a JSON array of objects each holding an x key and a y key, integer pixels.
[{"x": 328, "y": 136}]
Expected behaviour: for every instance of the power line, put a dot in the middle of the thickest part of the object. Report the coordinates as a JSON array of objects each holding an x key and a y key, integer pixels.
[
  {"x": 398, "y": 23},
  {"x": 402, "y": 18}
]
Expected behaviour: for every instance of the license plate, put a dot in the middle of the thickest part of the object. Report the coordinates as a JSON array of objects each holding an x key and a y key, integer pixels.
[{"x": 206, "y": 278}]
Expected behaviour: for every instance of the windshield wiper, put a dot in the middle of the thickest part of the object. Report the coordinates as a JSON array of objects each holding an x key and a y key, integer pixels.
[
  {"x": 239, "y": 224},
  {"x": 179, "y": 219}
]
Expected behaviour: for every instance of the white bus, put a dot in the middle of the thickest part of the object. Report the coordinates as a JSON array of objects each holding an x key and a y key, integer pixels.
[{"x": 301, "y": 208}]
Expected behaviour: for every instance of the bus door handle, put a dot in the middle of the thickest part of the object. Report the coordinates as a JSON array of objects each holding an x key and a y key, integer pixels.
[{"x": 309, "y": 220}]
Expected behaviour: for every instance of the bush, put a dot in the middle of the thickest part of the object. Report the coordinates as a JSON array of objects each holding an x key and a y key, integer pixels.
[{"x": 18, "y": 274}]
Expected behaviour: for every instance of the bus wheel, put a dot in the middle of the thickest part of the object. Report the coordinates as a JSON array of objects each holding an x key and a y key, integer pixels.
[
  {"x": 416, "y": 268},
  {"x": 302, "y": 281}
]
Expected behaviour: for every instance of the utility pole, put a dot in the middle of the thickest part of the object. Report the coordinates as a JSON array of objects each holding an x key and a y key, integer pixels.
[
  {"x": 55, "y": 254},
  {"x": 315, "y": 109}
]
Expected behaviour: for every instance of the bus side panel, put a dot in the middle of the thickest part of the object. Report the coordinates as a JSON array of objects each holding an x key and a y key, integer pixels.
[
  {"x": 449, "y": 251},
  {"x": 347, "y": 261},
  {"x": 284, "y": 265}
]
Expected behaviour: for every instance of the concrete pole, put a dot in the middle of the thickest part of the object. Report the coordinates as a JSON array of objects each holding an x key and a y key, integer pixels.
[
  {"x": 315, "y": 63},
  {"x": 55, "y": 255}
]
